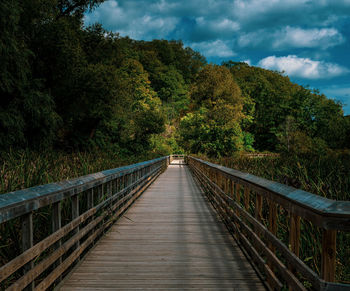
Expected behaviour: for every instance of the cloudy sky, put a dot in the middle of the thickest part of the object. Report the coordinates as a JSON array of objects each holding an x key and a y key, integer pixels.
[{"x": 308, "y": 40}]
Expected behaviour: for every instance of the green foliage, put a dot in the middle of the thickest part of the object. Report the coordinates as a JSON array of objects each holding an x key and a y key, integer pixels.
[
  {"x": 27, "y": 115},
  {"x": 276, "y": 98},
  {"x": 214, "y": 125},
  {"x": 68, "y": 86}
]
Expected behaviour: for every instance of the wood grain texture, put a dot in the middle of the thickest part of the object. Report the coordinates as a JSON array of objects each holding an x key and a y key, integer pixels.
[{"x": 171, "y": 239}]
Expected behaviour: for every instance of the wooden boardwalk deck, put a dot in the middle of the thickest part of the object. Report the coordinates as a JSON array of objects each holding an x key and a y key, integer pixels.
[{"x": 170, "y": 239}]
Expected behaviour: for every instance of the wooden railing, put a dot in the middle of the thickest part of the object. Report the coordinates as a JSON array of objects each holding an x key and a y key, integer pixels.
[
  {"x": 178, "y": 157},
  {"x": 250, "y": 207},
  {"x": 94, "y": 202}
]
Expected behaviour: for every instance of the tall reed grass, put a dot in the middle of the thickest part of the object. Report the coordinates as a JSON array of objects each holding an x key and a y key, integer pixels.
[{"x": 24, "y": 169}]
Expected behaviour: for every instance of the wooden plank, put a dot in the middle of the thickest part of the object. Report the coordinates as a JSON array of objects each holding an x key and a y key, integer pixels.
[{"x": 170, "y": 239}]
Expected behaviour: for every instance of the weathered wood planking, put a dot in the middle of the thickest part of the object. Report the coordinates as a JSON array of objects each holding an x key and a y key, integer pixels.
[{"x": 170, "y": 239}]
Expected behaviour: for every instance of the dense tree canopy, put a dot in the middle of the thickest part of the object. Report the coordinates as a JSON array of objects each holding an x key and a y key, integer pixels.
[
  {"x": 213, "y": 126},
  {"x": 68, "y": 86},
  {"x": 277, "y": 100}
]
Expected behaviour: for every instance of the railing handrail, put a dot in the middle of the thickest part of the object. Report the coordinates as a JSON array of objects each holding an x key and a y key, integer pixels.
[
  {"x": 20, "y": 202},
  {"x": 334, "y": 214},
  {"x": 256, "y": 225},
  {"x": 95, "y": 200}
]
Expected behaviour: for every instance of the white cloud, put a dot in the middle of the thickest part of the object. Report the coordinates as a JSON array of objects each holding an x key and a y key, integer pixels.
[
  {"x": 216, "y": 48},
  {"x": 307, "y": 38},
  {"x": 303, "y": 67},
  {"x": 136, "y": 24},
  {"x": 293, "y": 37},
  {"x": 224, "y": 24},
  {"x": 248, "y": 62},
  {"x": 272, "y": 13}
]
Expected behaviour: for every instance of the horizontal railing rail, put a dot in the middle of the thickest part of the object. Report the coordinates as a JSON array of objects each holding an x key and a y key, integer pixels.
[
  {"x": 178, "y": 157},
  {"x": 250, "y": 207},
  {"x": 92, "y": 202}
]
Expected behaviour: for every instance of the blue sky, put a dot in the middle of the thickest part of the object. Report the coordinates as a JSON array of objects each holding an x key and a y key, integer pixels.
[{"x": 308, "y": 40}]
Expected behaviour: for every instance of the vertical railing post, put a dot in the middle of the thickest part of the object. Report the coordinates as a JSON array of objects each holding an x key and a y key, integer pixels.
[
  {"x": 238, "y": 194},
  {"x": 232, "y": 189},
  {"x": 328, "y": 255},
  {"x": 294, "y": 233},
  {"x": 27, "y": 242},
  {"x": 246, "y": 197},
  {"x": 258, "y": 210},
  {"x": 75, "y": 214},
  {"x": 294, "y": 237},
  {"x": 99, "y": 194},
  {"x": 272, "y": 227},
  {"x": 258, "y": 207},
  {"x": 56, "y": 225},
  {"x": 90, "y": 198},
  {"x": 228, "y": 186},
  {"x": 272, "y": 220}
]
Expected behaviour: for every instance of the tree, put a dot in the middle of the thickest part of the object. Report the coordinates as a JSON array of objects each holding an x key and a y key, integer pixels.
[
  {"x": 276, "y": 99},
  {"x": 214, "y": 126},
  {"x": 27, "y": 112}
]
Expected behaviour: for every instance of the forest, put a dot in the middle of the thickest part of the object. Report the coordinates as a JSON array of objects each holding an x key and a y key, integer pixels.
[{"x": 73, "y": 88}]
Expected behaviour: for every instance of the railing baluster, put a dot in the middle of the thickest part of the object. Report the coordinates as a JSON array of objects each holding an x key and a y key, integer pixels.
[
  {"x": 272, "y": 226},
  {"x": 232, "y": 189},
  {"x": 90, "y": 198},
  {"x": 75, "y": 214},
  {"x": 56, "y": 225},
  {"x": 328, "y": 255},
  {"x": 246, "y": 197},
  {"x": 238, "y": 193},
  {"x": 27, "y": 242},
  {"x": 294, "y": 233},
  {"x": 258, "y": 207}
]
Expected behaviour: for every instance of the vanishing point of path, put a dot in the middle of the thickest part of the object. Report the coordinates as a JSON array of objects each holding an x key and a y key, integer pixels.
[{"x": 170, "y": 239}]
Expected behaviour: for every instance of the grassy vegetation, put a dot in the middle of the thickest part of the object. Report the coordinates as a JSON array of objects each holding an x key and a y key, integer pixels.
[
  {"x": 328, "y": 176},
  {"x": 24, "y": 169}
]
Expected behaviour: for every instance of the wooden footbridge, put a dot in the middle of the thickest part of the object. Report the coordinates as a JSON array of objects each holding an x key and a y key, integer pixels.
[{"x": 196, "y": 226}]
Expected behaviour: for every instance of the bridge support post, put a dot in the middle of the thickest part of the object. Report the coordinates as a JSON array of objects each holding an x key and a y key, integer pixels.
[
  {"x": 294, "y": 233},
  {"x": 328, "y": 255},
  {"x": 246, "y": 197},
  {"x": 75, "y": 214},
  {"x": 56, "y": 225},
  {"x": 27, "y": 243}
]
